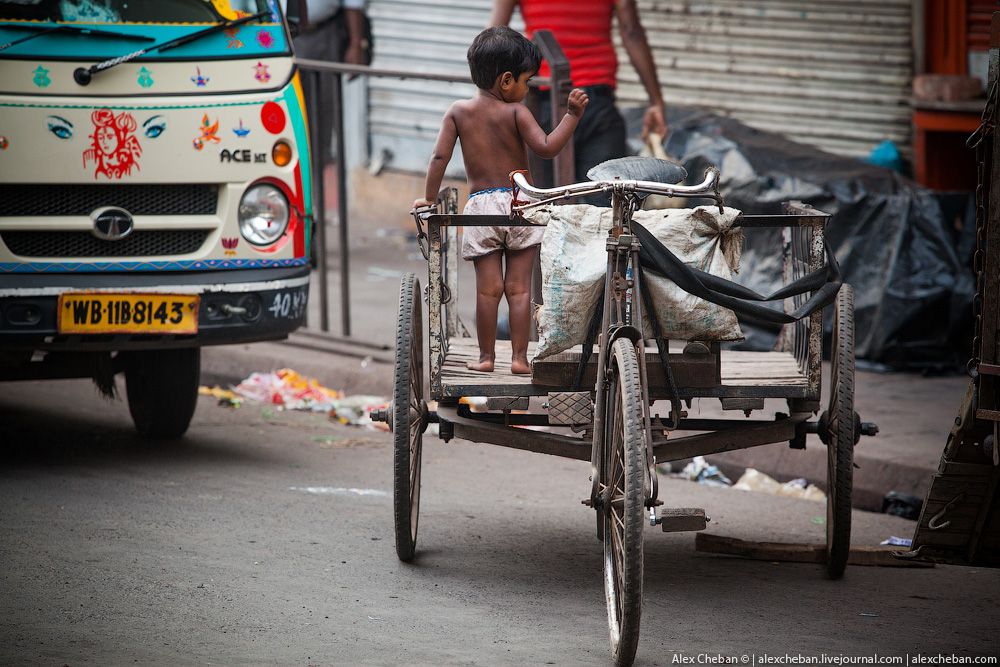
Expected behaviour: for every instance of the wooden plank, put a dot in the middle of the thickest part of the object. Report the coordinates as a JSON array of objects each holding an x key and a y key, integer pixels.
[
  {"x": 798, "y": 553},
  {"x": 689, "y": 371},
  {"x": 743, "y": 374}
]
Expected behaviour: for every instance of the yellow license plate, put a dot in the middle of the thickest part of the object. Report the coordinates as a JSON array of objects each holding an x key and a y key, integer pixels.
[{"x": 106, "y": 312}]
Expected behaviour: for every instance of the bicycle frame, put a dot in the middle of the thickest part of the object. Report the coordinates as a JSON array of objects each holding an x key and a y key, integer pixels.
[{"x": 622, "y": 304}]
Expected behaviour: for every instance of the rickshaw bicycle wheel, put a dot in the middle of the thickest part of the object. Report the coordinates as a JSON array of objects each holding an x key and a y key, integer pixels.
[
  {"x": 624, "y": 472},
  {"x": 408, "y": 417},
  {"x": 842, "y": 434}
]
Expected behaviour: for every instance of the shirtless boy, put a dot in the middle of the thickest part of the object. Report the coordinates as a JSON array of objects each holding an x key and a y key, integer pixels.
[{"x": 494, "y": 128}]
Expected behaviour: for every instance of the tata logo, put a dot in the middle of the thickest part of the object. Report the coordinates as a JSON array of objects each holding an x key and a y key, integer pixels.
[{"x": 111, "y": 223}]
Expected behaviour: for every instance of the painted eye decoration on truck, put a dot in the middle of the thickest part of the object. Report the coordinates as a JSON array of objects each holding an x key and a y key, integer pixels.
[
  {"x": 114, "y": 150},
  {"x": 60, "y": 127},
  {"x": 154, "y": 126}
]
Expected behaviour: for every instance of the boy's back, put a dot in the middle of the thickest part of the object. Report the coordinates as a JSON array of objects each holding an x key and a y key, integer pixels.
[{"x": 492, "y": 145}]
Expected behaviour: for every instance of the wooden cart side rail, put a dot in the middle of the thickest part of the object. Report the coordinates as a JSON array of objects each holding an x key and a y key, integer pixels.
[{"x": 438, "y": 339}]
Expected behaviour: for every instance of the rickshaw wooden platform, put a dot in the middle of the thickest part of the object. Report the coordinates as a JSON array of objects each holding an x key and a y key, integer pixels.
[{"x": 744, "y": 374}]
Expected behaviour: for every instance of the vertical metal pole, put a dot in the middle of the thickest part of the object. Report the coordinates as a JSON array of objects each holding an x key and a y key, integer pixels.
[
  {"x": 563, "y": 166},
  {"x": 319, "y": 207},
  {"x": 345, "y": 268}
]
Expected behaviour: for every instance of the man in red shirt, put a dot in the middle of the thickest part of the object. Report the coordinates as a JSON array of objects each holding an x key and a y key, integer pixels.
[{"x": 583, "y": 30}]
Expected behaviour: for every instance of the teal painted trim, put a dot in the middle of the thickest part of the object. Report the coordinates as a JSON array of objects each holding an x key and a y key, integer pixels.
[
  {"x": 77, "y": 47},
  {"x": 298, "y": 121},
  {"x": 106, "y": 267},
  {"x": 105, "y": 105}
]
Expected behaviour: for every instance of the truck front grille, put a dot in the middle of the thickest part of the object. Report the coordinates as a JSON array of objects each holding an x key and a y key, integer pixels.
[
  {"x": 17, "y": 199},
  {"x": 140, "y": 243}
]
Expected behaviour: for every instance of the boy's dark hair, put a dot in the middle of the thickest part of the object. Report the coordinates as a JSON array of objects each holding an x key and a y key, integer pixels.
[{"x": 498, "y": 50}]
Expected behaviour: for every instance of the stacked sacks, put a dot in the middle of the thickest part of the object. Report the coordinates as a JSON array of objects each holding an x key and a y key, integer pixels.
[{"x": 574, "y": 262}]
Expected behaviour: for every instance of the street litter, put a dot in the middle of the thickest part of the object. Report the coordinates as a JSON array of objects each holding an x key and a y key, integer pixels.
[
  {"x": 227, "y": 397},
  {"x": 290, "y": 390},
  {"x": 702, "y": 472},
  {"x": 898, "y": 541},
  {"x": 355, "y": 410},
  {"x": 754, "y": 480}
]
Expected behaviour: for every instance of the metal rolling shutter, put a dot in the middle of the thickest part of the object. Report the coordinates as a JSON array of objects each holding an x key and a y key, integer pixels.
[
  {"x": 831, "y": 73},
  {"x": 979, "y": 14},
  {"x": 421, "y": 35}
]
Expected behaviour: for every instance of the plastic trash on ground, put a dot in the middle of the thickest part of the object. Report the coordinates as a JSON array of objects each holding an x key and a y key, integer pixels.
[
  {"x": 897, "y": 541},
  {"x": 699, "y": 470},
  {"x": 227, "y": 397},
  {"x": 355, "y": 410},
  {"x": 288, "y": 389},
  {"x": 754, "y": 480},
  {"x": 293, "y": 391}
]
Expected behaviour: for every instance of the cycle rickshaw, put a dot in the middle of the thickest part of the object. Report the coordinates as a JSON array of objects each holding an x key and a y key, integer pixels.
[{"x": 609, "y": 421}]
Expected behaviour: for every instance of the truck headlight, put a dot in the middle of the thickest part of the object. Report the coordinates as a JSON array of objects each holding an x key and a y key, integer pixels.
[{"x": 263, "y": 214}]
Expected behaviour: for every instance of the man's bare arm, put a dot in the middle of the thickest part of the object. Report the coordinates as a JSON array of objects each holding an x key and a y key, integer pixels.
[
  {"x": 502, "y": 11},
  {"x": 634, "y": 40},
  {"x": 355, "y": 53},
  {"x": 440, "y": 158},
  {"x": 548, "y": 146}
]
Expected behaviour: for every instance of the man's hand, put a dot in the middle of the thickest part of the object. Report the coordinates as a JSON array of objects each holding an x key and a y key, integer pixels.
[
  {"x": 420, "y": 203},
  {"x": 654, "y": 120},
  {"x": 355, "y": 54},
  {"x": 577, "y": 102}
]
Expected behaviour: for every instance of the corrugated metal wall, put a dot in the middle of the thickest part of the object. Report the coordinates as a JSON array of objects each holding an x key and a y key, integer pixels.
[
  {"x": 832, "y": 73},
  {"x": 421, "y": 35}
]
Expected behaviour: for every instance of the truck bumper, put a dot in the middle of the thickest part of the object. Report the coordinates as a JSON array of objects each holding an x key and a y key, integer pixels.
[{"x": 274, "y": 300}]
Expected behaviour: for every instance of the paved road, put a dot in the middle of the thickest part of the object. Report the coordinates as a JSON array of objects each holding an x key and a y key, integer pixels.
[{"x": 213, "y": 550}]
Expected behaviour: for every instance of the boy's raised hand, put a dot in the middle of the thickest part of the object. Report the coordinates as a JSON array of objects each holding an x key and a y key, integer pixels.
[{"x": 577, "y": 102}]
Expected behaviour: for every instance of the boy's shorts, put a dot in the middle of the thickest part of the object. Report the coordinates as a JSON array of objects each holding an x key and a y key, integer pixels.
[{"x": 481, "y": 241}]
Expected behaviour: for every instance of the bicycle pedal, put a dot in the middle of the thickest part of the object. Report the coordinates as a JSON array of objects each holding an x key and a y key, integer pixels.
[{"x": 682, "y": 519}]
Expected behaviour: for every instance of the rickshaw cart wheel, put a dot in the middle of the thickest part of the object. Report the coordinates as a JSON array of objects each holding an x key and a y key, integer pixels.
[
  {"x": 841, "y": 427},
  {"x": 408, "y": 417},
  {"x": 624, "y": 471}
]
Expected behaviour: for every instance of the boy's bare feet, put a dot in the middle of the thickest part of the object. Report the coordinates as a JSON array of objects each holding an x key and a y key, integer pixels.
[
  {"x": 481, "y": 366},
  {"x": 520, "y": 367}
]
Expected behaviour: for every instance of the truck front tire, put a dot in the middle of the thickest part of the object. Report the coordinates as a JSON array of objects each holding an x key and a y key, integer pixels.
[{"x": 162, "y": 390}]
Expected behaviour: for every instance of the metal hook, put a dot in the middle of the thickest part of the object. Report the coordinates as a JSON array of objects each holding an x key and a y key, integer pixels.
[{"x": 935, "y": 521}]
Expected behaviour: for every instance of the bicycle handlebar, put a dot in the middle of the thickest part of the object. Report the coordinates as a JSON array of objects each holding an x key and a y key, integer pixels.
[{"x": 708, "y": 187}]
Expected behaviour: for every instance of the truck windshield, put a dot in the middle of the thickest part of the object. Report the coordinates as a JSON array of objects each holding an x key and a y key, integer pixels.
[
  {"x": 128, "y": 11},
  {"x": 158, "y": 20}
]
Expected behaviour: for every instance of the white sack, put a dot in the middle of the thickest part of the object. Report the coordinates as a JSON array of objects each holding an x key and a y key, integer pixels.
[{"x": 574, "y": 259}]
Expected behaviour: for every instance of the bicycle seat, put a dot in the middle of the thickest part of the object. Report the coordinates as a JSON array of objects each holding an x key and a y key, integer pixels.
[{"x": 639, "y": 169}]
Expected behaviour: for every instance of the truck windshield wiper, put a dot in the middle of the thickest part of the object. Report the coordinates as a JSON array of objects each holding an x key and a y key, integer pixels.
[
  {"x": 83, "y": 75},
  {"x": 40, "y": 31}
]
